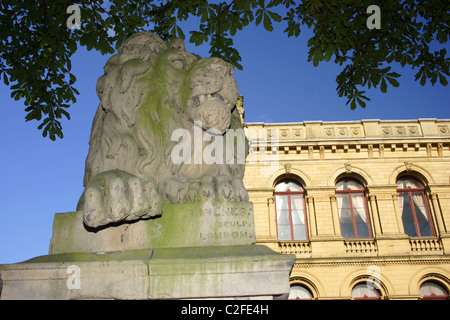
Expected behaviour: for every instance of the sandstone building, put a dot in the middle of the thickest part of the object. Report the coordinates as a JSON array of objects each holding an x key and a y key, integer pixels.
[{"x": 364, "y": 205}]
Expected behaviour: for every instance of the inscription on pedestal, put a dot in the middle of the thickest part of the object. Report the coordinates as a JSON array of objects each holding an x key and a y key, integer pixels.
[
  {"x": 224, "y": 222},
  {"x": 209, "y": 223}
]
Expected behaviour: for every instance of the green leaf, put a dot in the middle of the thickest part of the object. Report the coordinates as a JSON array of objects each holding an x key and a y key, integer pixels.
[
  {"x": 383, "y": 86},
  {"x": 423, "y": 80},
  {"x": 353, "y": 104},
  {"x": 393, "y": 82},
  {"x": 361, "y": 102},
  {"x": 329, "y": 54},
  {"x": 259, "y": 16},
  {"x": 443, "y": 79},
  {"x": 275, "y": 16},
  {"x": 267, "y": 22}
]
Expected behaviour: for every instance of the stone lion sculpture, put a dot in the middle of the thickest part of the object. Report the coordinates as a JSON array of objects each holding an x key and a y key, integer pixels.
[{"x": 151, "y": 90}]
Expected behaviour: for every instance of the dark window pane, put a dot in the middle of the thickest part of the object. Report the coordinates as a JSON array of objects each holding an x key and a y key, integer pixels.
[
  {"x": 347, "y": 230},
  {"x": 363, "y": 230},
  {"x": 425, "y": 229},
  {"x": 410, "y": 228}
]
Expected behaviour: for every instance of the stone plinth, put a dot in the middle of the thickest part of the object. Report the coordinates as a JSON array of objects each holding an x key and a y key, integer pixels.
[
  {"x": 210, "y": 223},
  {"x": 194, "y": 250},
  {"x": 239, "y": 271}
]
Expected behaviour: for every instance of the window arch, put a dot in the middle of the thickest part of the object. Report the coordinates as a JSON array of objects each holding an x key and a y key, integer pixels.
[
  {"x": 300, "y": 292},
  {"x": 290, "y": 210},
  {"x": 414, "y": 208},
  {"x": 352, "y": 208},
  {"x": 433, "y": 290},
  {"x": 366, "y": 291}
]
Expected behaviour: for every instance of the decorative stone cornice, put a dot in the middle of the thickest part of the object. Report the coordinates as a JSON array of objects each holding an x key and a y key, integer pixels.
[
  {"x": 339, "y": 130},
  {"x": 368, "y": 261}
]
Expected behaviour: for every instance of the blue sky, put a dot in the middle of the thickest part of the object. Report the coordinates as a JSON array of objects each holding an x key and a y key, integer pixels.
[{"x": 41, "y": 177}]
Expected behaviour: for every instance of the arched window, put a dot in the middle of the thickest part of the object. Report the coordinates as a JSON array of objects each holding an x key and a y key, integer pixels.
[
  {"x": 352, "y": 207},
  {"x": 300, "y": 292},
  {"x": 366, "y": 291},
  {"x": 414, "y": 208},
  {"x": 432, "y": 290},
  {"x": 290, "y": 208}
]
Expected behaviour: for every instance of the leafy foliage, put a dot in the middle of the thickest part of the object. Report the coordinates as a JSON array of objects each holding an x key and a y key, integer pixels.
[{"x": 36, "y": 45}]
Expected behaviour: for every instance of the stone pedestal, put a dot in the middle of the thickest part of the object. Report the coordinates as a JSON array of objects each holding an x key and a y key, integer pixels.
[
  {"x": 246, "y": 271},
  {"x": 210, "y": 223},
  {"x": 193, "y": 251}
]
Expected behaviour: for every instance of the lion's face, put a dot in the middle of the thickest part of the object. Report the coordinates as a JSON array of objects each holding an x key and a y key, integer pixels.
[{"x": 214, "y": 91}]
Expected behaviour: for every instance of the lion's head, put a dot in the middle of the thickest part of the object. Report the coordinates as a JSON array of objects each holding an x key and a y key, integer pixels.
[{"x": 149, "y": 89}]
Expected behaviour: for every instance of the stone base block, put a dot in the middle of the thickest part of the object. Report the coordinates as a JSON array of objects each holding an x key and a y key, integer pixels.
[
  {"x": 210, "y": 223},
  {"x": 240, "y": 271}
]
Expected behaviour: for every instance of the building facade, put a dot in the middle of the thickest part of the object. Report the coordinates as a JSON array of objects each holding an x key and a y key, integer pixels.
[{"x": 364, "y": 205}]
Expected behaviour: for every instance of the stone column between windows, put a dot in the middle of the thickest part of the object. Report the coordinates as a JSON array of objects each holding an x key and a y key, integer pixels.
[
  {"x": 373, "y": 207},
  {"x": 437, "y": 214},
  {"x": 323, "y": 215},
  {"x": 398, "y": 214},
  {"x": 272, "y": 217},
  {"x": 311, "y": 216},
  {"x": 335, "y": 215},
  {"x": 385, "y": 211}
]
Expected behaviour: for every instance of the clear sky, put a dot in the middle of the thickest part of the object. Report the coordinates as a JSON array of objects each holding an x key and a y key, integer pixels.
[{"x": 41, "y": 177}]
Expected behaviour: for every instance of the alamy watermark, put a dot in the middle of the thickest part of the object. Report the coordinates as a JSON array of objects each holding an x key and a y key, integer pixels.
[
  {"x": 74, "y": 20},
  {"x": 211, "y": 147},
  {"x": 373, "y": 281},
  {"x": 74, "y": 279},
  {"x": 221, "y": 149},
  {"x": 374, "y": 20}
]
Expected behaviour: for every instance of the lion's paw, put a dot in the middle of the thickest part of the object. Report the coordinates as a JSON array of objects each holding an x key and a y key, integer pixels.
[
  {"x": 240, "y": 193},
  {"x": 207, "y": 191},
  {"x": 117, "y": 196},
  {"x": 193, "y": 192},
  {"x": 200, "y": 190},
  {"x": 224, "y": 188}
]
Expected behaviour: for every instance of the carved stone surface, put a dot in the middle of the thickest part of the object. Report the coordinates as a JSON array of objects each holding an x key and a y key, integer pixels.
[
  {"x": 150, "y": 91},
  {"x": 210, "y": 223}
]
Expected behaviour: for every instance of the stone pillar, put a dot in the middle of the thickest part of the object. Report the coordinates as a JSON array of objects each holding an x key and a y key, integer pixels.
[
  {"x": 374, "y": 214},
  {"x": 335, "y": 215},
  {"x": 437, "y": 214},
  {"x": 272, "y": 217},
  {"x": 398, "y": 214},
  {"x": 311, "y": 215}
]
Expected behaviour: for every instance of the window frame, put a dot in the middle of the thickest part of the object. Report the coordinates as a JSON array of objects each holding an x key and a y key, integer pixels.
[
  {"x": 434, "y": 296},
  {"x": 288, "y": 194},
  {"x": 366, "y": 207},
  {"x": 375, "y": 289},
  {"x": 410, "y": 191},
  {"x": 306, "y": 288}
]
